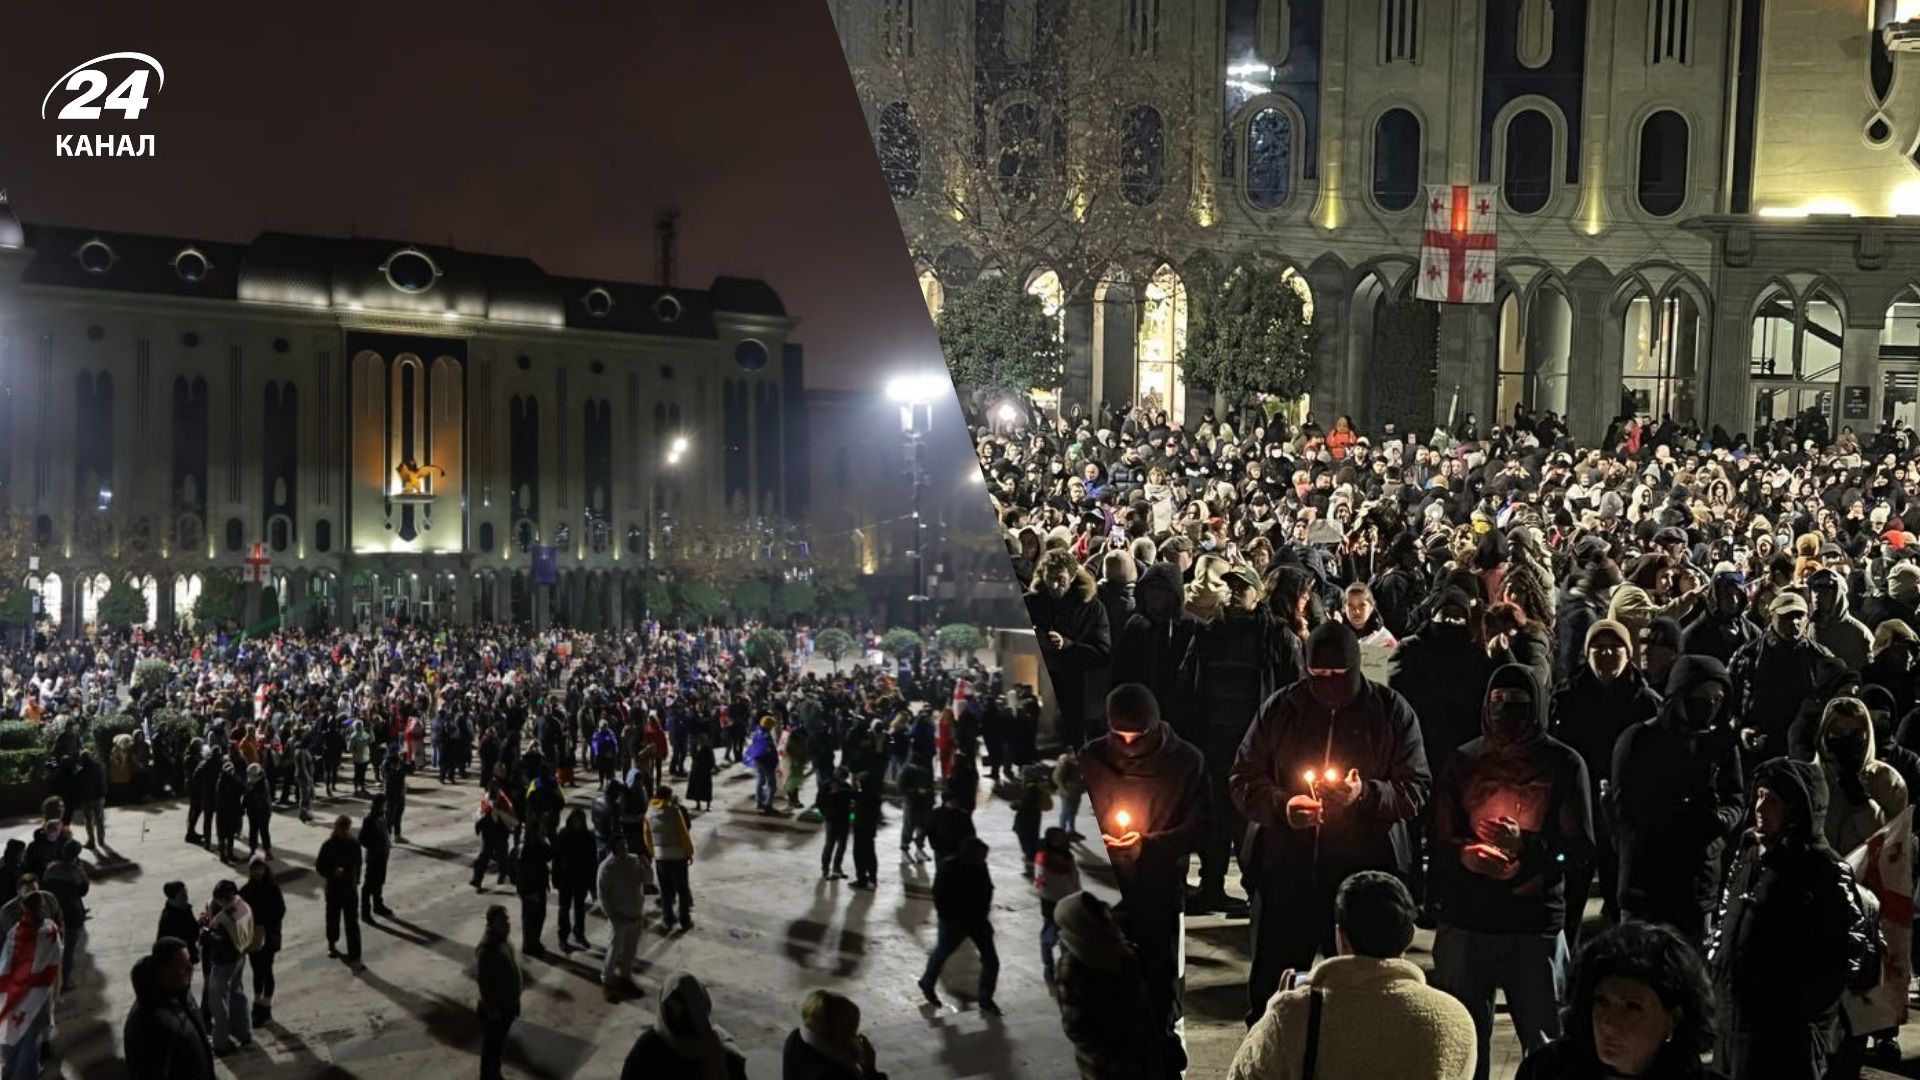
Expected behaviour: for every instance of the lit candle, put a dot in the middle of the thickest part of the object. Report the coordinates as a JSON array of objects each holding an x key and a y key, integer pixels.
[
  {"x": 1332, "y": 775},
  {"x": 1311, "y": 777},
  {"x": 1122, "y": 819}
]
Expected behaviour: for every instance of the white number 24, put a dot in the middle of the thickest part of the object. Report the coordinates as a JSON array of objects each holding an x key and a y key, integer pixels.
[{"x": 130, "y": 97}]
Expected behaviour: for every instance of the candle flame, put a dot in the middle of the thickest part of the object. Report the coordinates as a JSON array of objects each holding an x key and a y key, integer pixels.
[
  {"x": 1332, "y": 775},
  {"x": 1311, "y": 776},
  {"x": 1122, "y": 818}
]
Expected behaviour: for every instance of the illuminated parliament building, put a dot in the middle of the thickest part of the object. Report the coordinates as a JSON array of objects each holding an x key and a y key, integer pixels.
[
  {"x": 375, "y": 427},
  {"x": 1708, "y": 208}
]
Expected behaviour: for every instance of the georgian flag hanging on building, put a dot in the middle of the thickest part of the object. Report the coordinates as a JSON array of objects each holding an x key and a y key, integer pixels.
[{"x": 1457, "y": 250}]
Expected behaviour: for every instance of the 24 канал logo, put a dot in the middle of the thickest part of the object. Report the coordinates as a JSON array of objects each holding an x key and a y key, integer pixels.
[{"x": 83, "y": 94}]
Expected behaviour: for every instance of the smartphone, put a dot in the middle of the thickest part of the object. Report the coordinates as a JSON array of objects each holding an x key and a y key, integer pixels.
[{"x": 1300, "y": 980}]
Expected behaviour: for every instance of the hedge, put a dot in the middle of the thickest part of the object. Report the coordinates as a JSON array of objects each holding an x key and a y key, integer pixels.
[
  {"x": 179, "y": 728},
  {"x": 22, "y": 735},
  {"x": 105, "y": 728},
  {"x": 22, "y": 766},
  {"x": 151, "y": 675}
]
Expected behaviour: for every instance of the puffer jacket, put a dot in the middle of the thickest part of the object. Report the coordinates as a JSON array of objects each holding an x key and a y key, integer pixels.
[
  {"x": 667, "y": 825},
  {"x": 1791, "y": 909}
]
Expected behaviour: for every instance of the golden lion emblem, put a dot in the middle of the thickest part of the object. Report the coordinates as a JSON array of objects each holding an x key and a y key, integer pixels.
[{"x": 413, "y": 478}]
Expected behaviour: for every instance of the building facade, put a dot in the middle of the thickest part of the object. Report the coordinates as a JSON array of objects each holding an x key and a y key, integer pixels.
[
  {"x": 1704, "y": 205},
  {"x": 374, "y": 427}
]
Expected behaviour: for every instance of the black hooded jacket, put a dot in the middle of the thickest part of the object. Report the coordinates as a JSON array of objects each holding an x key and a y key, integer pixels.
[
  {"x": 1786, "y": 943},
  {"x": 1590, "y": 716},
  {"x": 1535, "y": 780},
  {"x": 164, "y": 1037},
  {"x": 1160, "y": 780},
  {"x": 1442, "y": 672},
  {"x": 1676, "y": 798},
  {"x": 1149, "y": 649},
  {"x": 1374, "y": 732}
]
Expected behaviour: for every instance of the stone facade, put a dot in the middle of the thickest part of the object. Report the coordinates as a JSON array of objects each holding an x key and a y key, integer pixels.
[
  {"x": 1700, "y": 200},
  {"x": 396, "y": 426}
]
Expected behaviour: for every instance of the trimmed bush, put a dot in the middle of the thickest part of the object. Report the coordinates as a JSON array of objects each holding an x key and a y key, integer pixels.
[
  {"x": 22, "y": 735},
  {"x": 105, "y": 728},
  {"x": 179, "y": 727},
  {"x": 835, "y": 644},
  {"x": 22, "y": 767},
  {"x": 151, "y": 675},
  {"x": 899, "y": 642},
  {"x": 960, "y": 640},
  {"x": 766, "y": 646}
]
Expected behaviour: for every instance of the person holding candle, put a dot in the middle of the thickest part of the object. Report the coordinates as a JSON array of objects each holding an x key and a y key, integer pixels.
[
  {"x": 1312, "y": 834},
  {"x": 1148, "y": 788},
  {"x": 1511, "y": 823}
]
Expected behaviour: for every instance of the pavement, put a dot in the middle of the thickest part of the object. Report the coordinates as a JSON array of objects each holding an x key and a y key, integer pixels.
[{"x": 767, "y": 931}]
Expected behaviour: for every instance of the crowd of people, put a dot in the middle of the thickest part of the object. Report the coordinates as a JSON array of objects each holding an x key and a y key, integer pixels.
[
  {"x": 589, "y": 756},
  {"x": 1476, "y": 679}
]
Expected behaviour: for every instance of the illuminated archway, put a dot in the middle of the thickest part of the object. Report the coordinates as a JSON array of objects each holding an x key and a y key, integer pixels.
[{"x": 1162, "y": 338}]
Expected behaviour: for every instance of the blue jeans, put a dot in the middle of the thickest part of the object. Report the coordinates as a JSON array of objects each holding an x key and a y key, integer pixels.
[
  {"x": 764, "y": 787},
  {"x": 1530, "y": 968},
  {"x": 1049, "y": 937},
  {"x": 1069, "y": 810},
  {"x": 947, "y": 941},
  {"x": 227, "y": 1004},
  {"x": 23, "y": 1058}
]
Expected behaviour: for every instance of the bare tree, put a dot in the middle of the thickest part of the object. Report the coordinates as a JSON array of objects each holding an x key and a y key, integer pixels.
[{"x": 1075, "y": 157}]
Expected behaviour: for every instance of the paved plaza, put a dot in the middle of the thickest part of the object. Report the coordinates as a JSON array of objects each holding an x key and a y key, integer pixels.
[{"x": 766, "y": 931}]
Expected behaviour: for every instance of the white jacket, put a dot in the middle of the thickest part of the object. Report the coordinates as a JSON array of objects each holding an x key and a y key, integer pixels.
[
  {"x": 622, "y": 883},
  {"x": 1379, "y": 1019}
]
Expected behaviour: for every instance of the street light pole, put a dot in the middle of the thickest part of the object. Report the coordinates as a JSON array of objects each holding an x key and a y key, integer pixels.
[{"x": 915, "y": 394}]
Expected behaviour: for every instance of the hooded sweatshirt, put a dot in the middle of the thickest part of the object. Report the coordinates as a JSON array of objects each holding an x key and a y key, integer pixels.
[
  {"x": 695, "y": 1050},
  {"x": 1677, "y": 798},
  {"x": 1864, "y": 792},
  {"x": 1160, "y": 780},
  {"x": 165, "y": 1035},
  {"x": 1514, "y": 770}
]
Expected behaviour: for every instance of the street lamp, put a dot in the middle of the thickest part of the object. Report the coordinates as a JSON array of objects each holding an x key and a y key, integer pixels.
[
  {"x": 676, "y": 450},
  {"x": 915, "y": 394}
]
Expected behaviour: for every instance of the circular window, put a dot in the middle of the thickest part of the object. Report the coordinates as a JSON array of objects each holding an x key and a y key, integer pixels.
[
  {"x": 410, "y": 271},
  {"x": 597, "y": 367},
  {"x": 598, "y": 302},
  {"x": 190, "y": 339},
  {"x": 96, "y": 332},
  {"x": 750, "y": 355},
  {"x": 523, "y": 361},
  {"x": 96, "y": 257},
  {"x": 667, "y": 308},
  {"x": 190, "y": 266},
  {"x": 280, "y": 345}
]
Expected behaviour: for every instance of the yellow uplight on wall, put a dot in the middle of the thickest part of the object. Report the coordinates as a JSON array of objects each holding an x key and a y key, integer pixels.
[{"x": 1823, "y": 205}]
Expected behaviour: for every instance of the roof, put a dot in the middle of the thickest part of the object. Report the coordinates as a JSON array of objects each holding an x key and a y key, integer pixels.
[{"x": 365, "y": 274}]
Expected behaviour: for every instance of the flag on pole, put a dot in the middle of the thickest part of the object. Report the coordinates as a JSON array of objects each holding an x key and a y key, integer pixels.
[
  {"x": 1884, "y": 867},
  {"x": 1457, "y": 250}
]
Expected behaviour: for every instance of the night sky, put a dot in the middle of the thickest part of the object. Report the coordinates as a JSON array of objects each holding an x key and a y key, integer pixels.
[{"x": 553, "y": 131}]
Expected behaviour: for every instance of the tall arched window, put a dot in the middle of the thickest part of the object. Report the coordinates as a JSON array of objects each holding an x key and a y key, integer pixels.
[
  {"x": 1662, "y": 186},
  {"x": 899, "y": 149},
  {"x": 1163, "y": 336},
  {"x": 1528, "y": 182},
  {"x": 1020, "y": 151},
  {"x": 1269, "y": 158},
  {"x": 1143, "y": 156},
  {"x": 1535, "y": 352},
  {"x": 1661, "y": 346},
  {"x": 1793, "y": 359},
  {"x": 1396, "y": 159},
  {"x": 1053, "y": 299}
]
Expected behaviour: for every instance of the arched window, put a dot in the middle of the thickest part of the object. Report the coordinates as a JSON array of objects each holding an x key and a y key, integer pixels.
[
  {"x": 1163, "y": 336},
  {"x": 1661, "y": 347},
  {"x": 1793, "y": 359},
  {"x": 1269, "y": 158},
  {"x": 1396, "y": 159},
  {"x": 1143, "y": 156},
  {"x": 1530, "y": 162},
  {"x": 1663, "y": 163},
  {"x": 1535, "y": 352},
  {"x": 1020, "y": 151},
  {"x": 900, "y": 150},
  {"x": 1053, "y": 300},
  {"x": 934, "y": 293}
]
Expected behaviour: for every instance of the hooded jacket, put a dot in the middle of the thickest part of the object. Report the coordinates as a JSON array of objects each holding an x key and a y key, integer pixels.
[
  {"x": 1104, "y": 1005},
  {"x": 704, "y": 1052},
  {"x": 164, "y": 1037},
  {"x": 1771, "y": 676},
  {"x": 1522, "y": 773},
  {"x": 1081, "y": 621},
  {"x": 1860, "y": 803},
  {"x": 1160, "y": 780},
  {"x": 1590, "y": 716},
  {"x": 1442, "y": 672},
  {"x": 1788, "y": 911},
  {"x": 1846, "y": 637},
  {"x": 1676, "y": 799},
  {"x": 1374, "y": 732},
  {"x": 1149, "y": 649}
]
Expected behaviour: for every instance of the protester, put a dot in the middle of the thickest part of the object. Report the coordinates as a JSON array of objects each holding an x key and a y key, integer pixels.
[
  {"x": 1369, "y": 1010},
  {"x": 667, "y": 824},
  {"x": 828, "y": 1044},
  {"x": 1639, "y": 1005},
  {"x": 621, "y": 882},
  {"x": 164, "y": 1037},
  {"x": 226, "y": 935},
  {"x": 268, "y": 906},
  {"x": 498, "y": 972},
  {"x": 338, "y": 865},
  {"x": 683, "y": 1043},
  {"x": 963, "y": 902},
  {"x": 376, "y": 846},
  {"x": 576, "y": 866},
  {"x": 1105, "y": 1005}
]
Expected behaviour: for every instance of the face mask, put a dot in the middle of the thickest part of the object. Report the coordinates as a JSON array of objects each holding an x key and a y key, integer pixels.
[
  {"x": 1699, "y": 712},
  {"x": 1510, "y": 721},
  {"x": 1849, "y": 752},
  {"x": 1332, "y": 691}
]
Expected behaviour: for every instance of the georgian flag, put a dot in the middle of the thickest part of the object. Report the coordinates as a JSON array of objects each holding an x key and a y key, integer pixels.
[
  {"x": 30, "y": 981},
  {"x": 1457, "y": 249},
  {"x": 1884, "y": 866}
]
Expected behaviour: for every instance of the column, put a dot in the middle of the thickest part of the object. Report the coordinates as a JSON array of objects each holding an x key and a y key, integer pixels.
[
  {"x": 616, "y": 593},
  {"x": 542, "y": 606},
  {"x": 1077, "y": 381},
  {"x": 163, "y": 614},
  {"x": 1464, "y": 382},
  {"x": 1589, "y": 366},
  {"x": 1859, "y": 367}
]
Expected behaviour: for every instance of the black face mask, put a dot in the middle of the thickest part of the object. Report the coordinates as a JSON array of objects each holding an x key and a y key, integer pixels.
[
  {"x": 1332, "y": 691},
  {"x": 1849, "y": 751},
  {"x": 1510, "y": 721},
  {"x": 1699, "y": 712}
]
